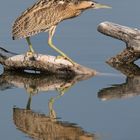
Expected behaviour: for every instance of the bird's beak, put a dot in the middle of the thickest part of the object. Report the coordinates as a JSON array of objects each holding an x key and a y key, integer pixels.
[{"x": 99, "y": 6}]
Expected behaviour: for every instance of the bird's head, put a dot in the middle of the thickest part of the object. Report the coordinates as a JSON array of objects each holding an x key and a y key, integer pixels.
[{"x": 87, "y": 4}]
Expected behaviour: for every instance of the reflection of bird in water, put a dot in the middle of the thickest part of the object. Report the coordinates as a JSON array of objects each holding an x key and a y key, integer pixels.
[
  {"x": 45, "y": 15},
  {"x": 47, "y": 127},
  {"x": 42, "y": 127}
]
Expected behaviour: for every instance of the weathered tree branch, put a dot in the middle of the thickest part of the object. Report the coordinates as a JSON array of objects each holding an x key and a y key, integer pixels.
[
  {"x": 124, "y": 61},
  {"x": 131, "y": 36},
  {"x": 42, "y": 63}
]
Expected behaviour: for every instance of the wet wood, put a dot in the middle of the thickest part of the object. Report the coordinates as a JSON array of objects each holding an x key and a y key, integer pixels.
[
  {"x": 131, "y": 36},
  {"x": 42, "y": 63},
  {"x": 123, "y": 62}
]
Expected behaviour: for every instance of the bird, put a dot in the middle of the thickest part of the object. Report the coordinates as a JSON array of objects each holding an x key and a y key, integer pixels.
[{"x": 45, "y": 15}]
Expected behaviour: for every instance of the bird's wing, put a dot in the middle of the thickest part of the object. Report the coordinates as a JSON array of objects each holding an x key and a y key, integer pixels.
[{"x": 40, "y": 17}]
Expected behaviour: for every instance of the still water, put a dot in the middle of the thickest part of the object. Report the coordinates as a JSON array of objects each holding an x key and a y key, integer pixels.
[{"x": 104, "y": 107}]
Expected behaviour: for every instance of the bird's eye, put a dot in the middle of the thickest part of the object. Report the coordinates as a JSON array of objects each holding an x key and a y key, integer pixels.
[{"x": 92, "y": 4}]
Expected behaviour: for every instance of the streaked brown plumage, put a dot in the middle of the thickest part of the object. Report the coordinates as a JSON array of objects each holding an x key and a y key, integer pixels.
[
  {"x": 40, "y": 17},
  {"x": 44, "y": 16}
]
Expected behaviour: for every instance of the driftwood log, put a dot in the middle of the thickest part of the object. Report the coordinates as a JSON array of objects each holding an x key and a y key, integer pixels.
[
  {"x": 123, "y": 62},
  {"x": 41, "y": 63},
  {"x": 131, "y": 36}
]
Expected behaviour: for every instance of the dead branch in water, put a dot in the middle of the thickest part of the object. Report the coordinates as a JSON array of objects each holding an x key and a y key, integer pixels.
[
  {"x": 43, "y": 63},
  {"x": 131, "y": 36}
]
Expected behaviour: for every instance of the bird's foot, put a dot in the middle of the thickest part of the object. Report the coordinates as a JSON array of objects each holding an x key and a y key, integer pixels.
[
  {"x": 30, "y": 55},
  {"x": 66, "y": 58}
]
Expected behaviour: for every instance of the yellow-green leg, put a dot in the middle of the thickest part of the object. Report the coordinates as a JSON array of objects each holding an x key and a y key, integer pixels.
[
  {"x": 31, "y": 50},
  {"x": 51, "y": 33},
  {"x": 28, "y": 106}
]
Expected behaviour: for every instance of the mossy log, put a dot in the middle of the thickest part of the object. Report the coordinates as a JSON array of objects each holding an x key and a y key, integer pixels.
[
  {"x": 131, "y": 36},
  {"x": 41, "y": 63}
]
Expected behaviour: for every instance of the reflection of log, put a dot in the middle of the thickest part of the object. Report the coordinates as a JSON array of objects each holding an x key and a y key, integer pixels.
[
  {"x": 129, "y": 70},
  {"x": 41, "y": 127},
  {"x": 38, "y": 82},
  {"x": 42, "y": 63},
  {"x": 129, "y": 35},
  {"x": 128, "y": 89}
]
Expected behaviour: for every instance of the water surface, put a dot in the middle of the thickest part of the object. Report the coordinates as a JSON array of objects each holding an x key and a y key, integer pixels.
[{"x": 104, "y": 107}]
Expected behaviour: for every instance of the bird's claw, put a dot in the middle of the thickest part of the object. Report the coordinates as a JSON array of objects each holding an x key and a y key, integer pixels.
[{"x": 30, "y": 55}]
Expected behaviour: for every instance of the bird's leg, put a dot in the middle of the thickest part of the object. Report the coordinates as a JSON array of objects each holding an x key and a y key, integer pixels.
[
  {"x": 51, "y": 33},
  {"x": 28, "y": 106},
  {"x": 31, "y": 50}
]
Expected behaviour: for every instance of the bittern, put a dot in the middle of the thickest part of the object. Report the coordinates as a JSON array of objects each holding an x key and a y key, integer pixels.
[{"x": 45, "y": 15}]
